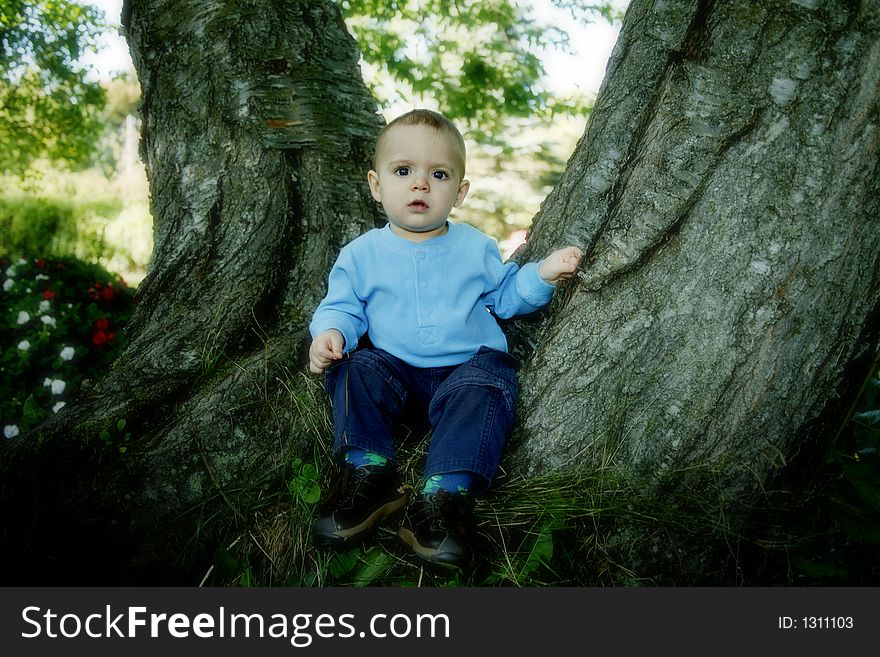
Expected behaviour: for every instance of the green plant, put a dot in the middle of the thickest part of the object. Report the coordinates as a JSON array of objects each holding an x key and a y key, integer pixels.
[
  {"x": 117, "y": 436},
  {"x": 304, "y": 484},
  {"x": 52, "y": 226},
  {"x": 61, "y": 324},
  {"x": 841, "y": 528}
]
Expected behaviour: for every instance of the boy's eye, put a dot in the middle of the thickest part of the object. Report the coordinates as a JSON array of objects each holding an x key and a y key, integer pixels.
[
  {"x": 402, "y": 171},
  {"x": 439, "y": 175}
]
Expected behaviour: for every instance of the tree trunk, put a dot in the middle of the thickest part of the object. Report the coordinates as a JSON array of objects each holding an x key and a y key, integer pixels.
[
  {"x": 726, "y": 195},
  {"x": 257, "y": 133}
]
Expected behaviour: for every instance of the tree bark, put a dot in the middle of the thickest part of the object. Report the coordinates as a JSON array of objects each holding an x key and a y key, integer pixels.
[
  {"x": 725, "y": 194},
  {"x": 257, "y": 134}
]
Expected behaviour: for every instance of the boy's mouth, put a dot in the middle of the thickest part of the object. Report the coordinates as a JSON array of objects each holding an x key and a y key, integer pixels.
[{"x": 418, "y": 206}]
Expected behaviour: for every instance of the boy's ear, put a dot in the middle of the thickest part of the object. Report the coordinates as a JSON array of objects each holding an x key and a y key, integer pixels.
[
  {"x": 463, "y": 188},
  {"x": 373, "y": 179}
]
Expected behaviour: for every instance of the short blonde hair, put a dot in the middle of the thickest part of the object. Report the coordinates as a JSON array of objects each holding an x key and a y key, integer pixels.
[{"x": 432, "y": 119}]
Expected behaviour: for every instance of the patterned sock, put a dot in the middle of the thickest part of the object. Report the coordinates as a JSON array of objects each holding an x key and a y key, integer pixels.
[
  {"x": 358, "y": 457},
  {"x": 453, "y": 482}
]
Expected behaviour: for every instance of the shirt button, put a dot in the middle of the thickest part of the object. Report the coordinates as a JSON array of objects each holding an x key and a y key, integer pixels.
[
  {"x": 424, "y": 284},
  {"x": 426, "y": 312},
  {"x": 420, "y": 255}
]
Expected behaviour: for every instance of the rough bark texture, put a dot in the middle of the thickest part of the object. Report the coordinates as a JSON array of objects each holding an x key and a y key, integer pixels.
[
  {"x": 726, "y": 194},
  {"x": 257, "y": 135}
]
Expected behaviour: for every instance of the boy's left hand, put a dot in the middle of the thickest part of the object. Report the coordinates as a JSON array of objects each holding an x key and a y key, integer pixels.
[{"x": 560, "y": 265}]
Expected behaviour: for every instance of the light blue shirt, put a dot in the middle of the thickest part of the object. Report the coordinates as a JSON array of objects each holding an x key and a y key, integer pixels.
[{"x": 427, "y": 303}]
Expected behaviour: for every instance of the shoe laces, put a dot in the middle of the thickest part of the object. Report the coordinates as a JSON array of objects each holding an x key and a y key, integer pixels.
[
  {"x": 447, "y": 511},
  {"x": 343, "y": 488},
  {"x": 353, "y": 479}
]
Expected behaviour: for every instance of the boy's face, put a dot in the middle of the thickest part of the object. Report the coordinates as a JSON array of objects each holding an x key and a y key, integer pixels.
[{"x": 417, "y": 180}]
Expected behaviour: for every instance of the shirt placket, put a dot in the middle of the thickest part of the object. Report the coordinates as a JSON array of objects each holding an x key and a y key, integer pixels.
[{"x": 425, "y": 297}]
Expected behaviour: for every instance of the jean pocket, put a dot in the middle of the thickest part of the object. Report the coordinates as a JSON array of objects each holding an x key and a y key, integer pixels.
[{"x": 498, "y": 363}]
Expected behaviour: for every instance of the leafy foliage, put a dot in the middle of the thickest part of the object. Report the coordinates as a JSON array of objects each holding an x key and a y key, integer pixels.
[
  {"x": 34, "y": 225},
  {"x": 478, "y": 60},
  {"x": 48, "y": 107},
  {"x": 52, "y": 214},
  {"x": 841, "y": 532},
  {"x": 586, "y": 12},
  {"x": 60, "y": 324}
]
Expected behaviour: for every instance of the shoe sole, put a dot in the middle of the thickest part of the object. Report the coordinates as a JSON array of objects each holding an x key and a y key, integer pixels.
[
  {"x": 344, "y": 537},
  {"x": 428, "y": 554}
]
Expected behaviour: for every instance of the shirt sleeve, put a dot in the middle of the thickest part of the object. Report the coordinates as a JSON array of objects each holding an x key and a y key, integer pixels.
[
  {"x": 518, "y": 290},
  {"x": 341, "y": 308}
]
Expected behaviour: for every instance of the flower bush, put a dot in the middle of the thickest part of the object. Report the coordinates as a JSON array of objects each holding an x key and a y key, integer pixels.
[{"x": 61, "y": 323}]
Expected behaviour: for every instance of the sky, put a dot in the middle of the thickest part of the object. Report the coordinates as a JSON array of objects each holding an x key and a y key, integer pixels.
[{"x": 584, "y": 68}]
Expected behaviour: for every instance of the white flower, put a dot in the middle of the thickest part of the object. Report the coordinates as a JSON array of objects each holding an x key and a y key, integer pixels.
[
  {"x": 48, "y": 320},
  {"x": 22, "y": 261},
  {"x": 57, "y": 385},
  {"x": 7, "y": 284},
  {"x": 24, "y": 345},
  {"x": 45, "y": 305},
  {"x": 23, "y": 317},
  {"x": 11, "y": 272},
  {"x": 67, "y": 353},
  {"x": 10, "y": 431},
  {"x": 41, "y": 277},
  {"x": 58, "y": 406}
]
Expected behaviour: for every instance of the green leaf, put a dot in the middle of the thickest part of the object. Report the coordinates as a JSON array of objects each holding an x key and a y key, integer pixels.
[
  {"x": 32, "y": 414},
  {"x": 343, "y": 563},
  {"x": 105, "y": 436},
  {"x": 305, "y": 485},
  {"x": 308, "y": 490},
  {"x": 120, "y": 425},
  {"x": 375, "y": 563},
  {"x": 541, "y": 552}
]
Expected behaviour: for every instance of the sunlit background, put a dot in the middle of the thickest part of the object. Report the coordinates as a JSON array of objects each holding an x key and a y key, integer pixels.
[{"x": 107, "y": 204}]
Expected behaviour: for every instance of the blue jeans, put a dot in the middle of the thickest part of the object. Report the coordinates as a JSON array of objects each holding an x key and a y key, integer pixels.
[{"x": 470, "y": 408}]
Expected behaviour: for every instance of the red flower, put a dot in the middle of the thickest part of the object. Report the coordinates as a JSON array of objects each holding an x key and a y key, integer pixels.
[
  {"x": 93, "y": 295},
  {"x": 41, "y": 263},
  {"x": 102, "y": 324},
  {"x": 48, "y": 294},
  {"x": 4, "y": 261},
  {"x": 99, "y": 338},
  {"x": 98, "y": 286},
  {"x": 107, "y": 294}
]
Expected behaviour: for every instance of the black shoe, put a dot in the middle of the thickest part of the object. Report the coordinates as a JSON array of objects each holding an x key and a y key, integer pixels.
[
  {"x": 438, "y": 527},
  {"x": 358, "y": 500}
]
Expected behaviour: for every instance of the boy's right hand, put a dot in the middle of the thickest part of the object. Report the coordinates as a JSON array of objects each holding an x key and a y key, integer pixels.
[{"x": 326, "y": 348}]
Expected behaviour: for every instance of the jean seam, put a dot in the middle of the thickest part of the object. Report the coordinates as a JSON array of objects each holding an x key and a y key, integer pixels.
[{"x": 487, "y": 426}]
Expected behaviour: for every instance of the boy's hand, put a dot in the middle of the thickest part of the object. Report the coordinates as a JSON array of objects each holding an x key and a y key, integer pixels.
[
  {"x": 326, "y": 348},
  {"x": 560, "y": 265}
]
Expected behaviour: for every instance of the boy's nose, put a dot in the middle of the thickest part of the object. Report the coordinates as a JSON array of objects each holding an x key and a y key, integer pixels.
[{"x": 420, "y": 183}]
